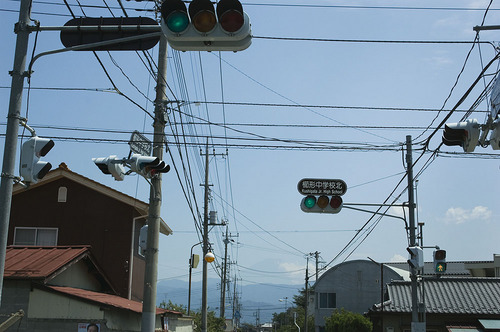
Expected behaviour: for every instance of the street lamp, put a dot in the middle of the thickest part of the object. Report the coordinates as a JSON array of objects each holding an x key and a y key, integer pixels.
[{"x": 191, "y": 263}]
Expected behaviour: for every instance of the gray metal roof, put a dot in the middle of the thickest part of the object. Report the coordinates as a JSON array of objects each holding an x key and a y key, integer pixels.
[{"x": 448, "y": 295}]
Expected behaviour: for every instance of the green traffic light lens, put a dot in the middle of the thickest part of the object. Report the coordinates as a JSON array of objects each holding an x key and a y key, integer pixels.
[
  {"x": 310, "y": 201},
  {"x": 177, "y": 21}
]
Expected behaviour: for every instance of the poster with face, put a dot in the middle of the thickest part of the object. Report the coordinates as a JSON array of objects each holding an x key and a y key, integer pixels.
[{"x": 89, "y": 327}]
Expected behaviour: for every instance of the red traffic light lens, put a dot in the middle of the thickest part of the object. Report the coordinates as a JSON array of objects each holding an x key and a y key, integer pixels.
[
  {"x": 231, "y": 21},
  {"x": 336, "y": 202},
  {"x": 440, "y": 254}
]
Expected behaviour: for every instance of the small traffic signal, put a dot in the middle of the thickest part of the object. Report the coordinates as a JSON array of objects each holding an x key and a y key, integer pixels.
[
  {"x": 111, "y": 165},
  {"x": 495, "y": 135},
  {"x": 201, "y": 28},
  {"x": 416, "y": 260},
  {"x": 440, "y": 261},
  {"x": 464, "y": 134},
  {"x": 321, "y": 204},
  {"x": 148, "y": 166},
  {"x": 32, "y": 169}
]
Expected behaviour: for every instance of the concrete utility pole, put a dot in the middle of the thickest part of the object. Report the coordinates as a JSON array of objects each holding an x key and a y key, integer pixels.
[
  {"x": 224, "y": 278},
  {"x": 9, "y": 156},
  {"x": 415, "y": 324},
  {"x": 151, "y": 274},
  {"x": 306, "y": 304},
  {"x": 205, "y": 248}
]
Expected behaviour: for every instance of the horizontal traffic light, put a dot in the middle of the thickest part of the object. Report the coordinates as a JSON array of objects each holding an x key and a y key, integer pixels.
[
  {"x": 321, "y": 204},
  {"x": 148, "y": 166},
  {"x": 204, "y": 28},
  {"x": 464, "y": 134},
  {"x": 111, "y": 165}
]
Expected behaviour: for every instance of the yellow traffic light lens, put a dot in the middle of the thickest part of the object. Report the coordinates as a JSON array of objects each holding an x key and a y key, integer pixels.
[
  {"x": 204, "y": 21},
  {"x": 323, "y": 201}
]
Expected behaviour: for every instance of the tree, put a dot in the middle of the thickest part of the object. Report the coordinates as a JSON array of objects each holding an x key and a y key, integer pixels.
[
  {"x": 173, "y": 307},
  {"x": 346, "y": 321}
]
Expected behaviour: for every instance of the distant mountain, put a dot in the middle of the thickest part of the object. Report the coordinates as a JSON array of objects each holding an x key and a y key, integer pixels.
[{"x": 256, "y": 299}]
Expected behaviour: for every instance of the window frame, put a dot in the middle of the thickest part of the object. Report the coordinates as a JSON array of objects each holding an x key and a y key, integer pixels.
[{"x": 36, "y": 229}]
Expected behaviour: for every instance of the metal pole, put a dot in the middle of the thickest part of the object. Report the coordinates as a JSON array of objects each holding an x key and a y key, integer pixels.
[
  {"x": 411, "y": 212},
  {"x": 9, "y": 156},
  {"x": 151, "y": 270},
  {"x": 205, "y": 249}
]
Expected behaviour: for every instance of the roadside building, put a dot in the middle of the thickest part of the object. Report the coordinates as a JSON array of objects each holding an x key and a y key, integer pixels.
[{"x": 452, "y": 304}]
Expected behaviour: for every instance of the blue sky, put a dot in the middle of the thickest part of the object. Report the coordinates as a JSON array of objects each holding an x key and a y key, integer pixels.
[{"x": 367, "y": 84}]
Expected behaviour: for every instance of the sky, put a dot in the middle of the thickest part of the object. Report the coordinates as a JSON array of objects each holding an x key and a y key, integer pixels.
[{"x": 327, "y": 89}]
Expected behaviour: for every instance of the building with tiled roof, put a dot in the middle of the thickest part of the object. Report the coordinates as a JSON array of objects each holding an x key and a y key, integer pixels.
[
  {"x": 355, "y": 286},
  {"x": 63, "y": 289},
  {"x": 449, "y": 302},
  {"x": 68, "y": 209}
]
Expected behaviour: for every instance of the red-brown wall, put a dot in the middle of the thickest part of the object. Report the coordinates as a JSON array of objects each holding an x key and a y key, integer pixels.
[{"x": 86, "y": 218}]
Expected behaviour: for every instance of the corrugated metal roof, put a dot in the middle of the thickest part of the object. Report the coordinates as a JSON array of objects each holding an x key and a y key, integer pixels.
[
  {"x": 448, "y": 296},
  {"x": 39, "y": 262},
  {"x": 106, "y": 299}
]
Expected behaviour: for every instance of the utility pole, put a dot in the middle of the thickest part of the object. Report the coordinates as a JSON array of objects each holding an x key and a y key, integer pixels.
[
  {"x": 205, "y": 248},
  {"x": 13, "y": 118},
  {"x": 224, "y": 276},
  {"x": 306, "y": 304},
  {"x": 415, "y": 324},
  {"x": 151, "y": 270},
  {"x": 316, "y": 255}
]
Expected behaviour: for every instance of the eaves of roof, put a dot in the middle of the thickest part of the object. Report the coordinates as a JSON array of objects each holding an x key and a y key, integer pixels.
[
  {"x": 107, "y": 299},
  {"x": 64, "y": 172}
]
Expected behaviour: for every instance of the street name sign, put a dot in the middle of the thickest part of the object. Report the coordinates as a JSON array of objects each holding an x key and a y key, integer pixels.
[
  {"x": 329, "y": 187},
  {"x": 140, "y": 144}
]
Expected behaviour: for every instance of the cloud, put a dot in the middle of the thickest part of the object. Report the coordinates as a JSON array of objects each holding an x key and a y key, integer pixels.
[
  {"x": 398, "y": 258},
  {"x": 459, "y": 215}
]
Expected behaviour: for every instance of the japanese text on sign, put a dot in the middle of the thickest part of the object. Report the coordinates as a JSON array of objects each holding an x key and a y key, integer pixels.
[{"x": 322, "y": 187}]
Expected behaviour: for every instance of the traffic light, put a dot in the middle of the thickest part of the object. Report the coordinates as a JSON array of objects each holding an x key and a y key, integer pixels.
[
  {"x": 32, "y": 169},
  {"x": 416, "y": 260},
  {"x": 201, "y": 28},
  {"x": 440, "y": 261},
  {"x": 495, "y": 135},
  {"x": 111, "y": 165},
  {"x": 321, "y": 204},
  {"x": 464, "y": 134},
  {"x": 148, "y": 166}
]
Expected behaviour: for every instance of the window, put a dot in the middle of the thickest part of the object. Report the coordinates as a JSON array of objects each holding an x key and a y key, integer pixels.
[
  {"x": 327, "y": 301},
  {"x": 35, "y": 236},
  {"x": 62, "y": 194}
]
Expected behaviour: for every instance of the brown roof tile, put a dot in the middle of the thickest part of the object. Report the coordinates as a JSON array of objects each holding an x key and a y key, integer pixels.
[{"x": 39, "y": 262}]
